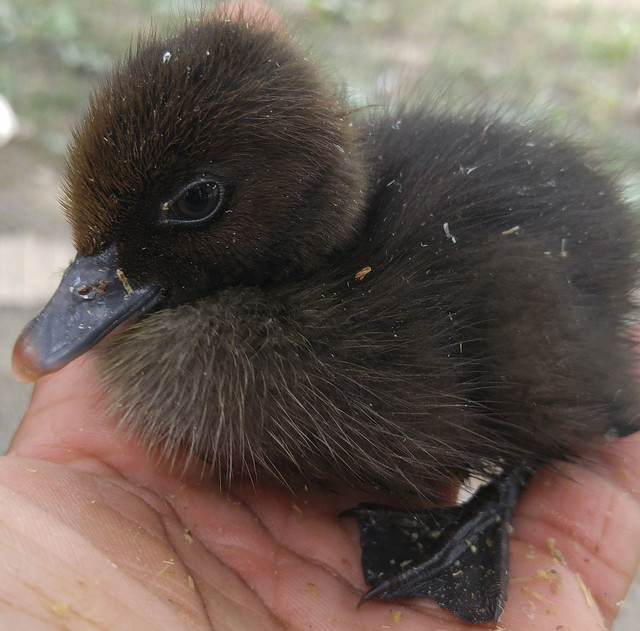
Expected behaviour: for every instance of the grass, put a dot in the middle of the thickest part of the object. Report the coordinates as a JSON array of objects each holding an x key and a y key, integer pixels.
[
  {"x": 52, "y": 52},
  {"x": 578, "y": 61}
]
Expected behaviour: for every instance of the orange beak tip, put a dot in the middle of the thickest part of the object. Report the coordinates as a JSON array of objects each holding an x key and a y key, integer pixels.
[{"x": 24, "y": 361}]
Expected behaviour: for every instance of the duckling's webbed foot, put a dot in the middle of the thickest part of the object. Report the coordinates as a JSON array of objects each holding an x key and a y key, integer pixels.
[{"x": 459, "y": 556}]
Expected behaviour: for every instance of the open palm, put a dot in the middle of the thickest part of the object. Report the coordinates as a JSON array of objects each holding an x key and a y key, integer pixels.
[{"x": 96, "y": 534}]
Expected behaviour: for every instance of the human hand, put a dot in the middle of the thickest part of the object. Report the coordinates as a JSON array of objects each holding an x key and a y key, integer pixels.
[{"x": 96, "y": 533}]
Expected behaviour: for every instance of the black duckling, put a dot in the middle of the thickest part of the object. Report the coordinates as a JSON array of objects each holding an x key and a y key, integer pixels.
[{"x": 388, "y": 299}]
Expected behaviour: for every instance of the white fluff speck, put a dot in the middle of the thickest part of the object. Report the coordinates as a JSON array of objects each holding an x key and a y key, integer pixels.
[{"x": 445, "y": 227}]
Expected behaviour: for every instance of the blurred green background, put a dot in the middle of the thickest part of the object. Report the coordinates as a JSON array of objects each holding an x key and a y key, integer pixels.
[
  {"x": 578, "y": 60},
  {"x": 575, "y": 62}
]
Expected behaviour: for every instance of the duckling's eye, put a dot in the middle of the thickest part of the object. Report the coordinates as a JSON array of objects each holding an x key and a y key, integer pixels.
[{"x": 199, "y": 202}]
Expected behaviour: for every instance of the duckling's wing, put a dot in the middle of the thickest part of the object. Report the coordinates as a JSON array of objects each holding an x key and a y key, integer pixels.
[{"x": 459, "y": 556}]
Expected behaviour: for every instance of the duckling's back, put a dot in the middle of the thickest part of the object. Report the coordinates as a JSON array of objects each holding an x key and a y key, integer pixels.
[{"x": 484, "y": 311}]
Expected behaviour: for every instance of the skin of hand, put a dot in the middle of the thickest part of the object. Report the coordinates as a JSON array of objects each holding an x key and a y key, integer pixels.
[{"x": 96, "y": 533}]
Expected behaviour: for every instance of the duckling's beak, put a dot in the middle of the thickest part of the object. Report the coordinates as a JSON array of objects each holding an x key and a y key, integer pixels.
[{"x": 94, "y": 296}]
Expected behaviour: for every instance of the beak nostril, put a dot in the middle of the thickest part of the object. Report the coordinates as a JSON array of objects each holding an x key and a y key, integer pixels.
[{"x": 88, "y": 291}]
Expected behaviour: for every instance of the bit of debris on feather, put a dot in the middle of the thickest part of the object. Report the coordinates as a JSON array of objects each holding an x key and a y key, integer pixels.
[
  {"x": 563, "y": 248},
  {"x": 125, "y": 282},
  {"x": 445, "y": 227},
  {"x": 362, "y": 273}
]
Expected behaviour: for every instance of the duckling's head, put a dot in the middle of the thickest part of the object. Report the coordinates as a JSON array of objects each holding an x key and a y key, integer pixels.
[{"x": 214, "y": 157}]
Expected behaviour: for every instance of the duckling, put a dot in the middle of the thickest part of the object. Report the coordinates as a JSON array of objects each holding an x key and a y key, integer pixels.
[{"x": 388, "y": 299}]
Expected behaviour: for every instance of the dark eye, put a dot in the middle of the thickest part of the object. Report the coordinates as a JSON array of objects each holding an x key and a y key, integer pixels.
[{"x": 199, "y": 202}]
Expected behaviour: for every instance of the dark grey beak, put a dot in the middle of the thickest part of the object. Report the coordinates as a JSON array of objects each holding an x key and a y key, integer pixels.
[{"x": 93, "y": 298}]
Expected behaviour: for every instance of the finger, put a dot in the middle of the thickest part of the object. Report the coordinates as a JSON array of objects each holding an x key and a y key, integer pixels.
[
  {"x": 65, "y": 420},
  {"x": 583, "y": 529},
  {"x": 69, "y": 421}
]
